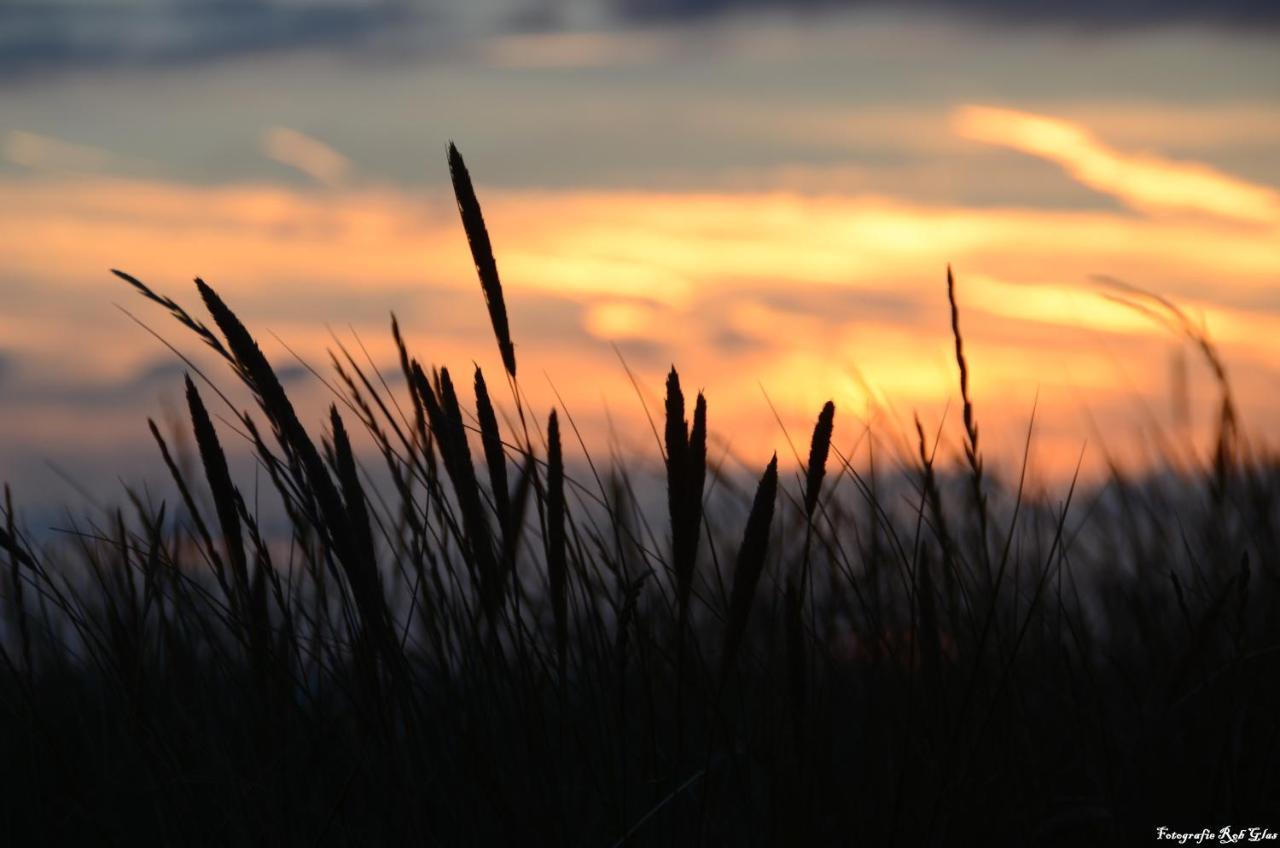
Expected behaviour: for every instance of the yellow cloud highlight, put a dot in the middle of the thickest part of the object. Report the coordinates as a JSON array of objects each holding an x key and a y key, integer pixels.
[
  {"x": 1146, "y": 182},
  {"x": 616, "y": 320}
]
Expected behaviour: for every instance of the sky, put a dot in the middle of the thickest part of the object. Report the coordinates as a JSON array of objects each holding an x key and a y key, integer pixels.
[{"x": 765, "y": 194}]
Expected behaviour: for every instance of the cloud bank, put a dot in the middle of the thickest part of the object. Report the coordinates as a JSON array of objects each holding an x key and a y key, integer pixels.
[
  {"x": 1090, "y": 14},
  {"x": 50, "y": 35},
  {"x": 40, "y": 36}
]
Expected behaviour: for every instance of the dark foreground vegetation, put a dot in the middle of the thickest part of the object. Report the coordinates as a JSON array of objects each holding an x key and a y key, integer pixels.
[{"x": 485, "y": 649}]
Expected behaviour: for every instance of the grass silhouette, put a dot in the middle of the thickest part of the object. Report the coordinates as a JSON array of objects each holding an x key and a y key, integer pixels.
[{"x": 920, "y": 657}]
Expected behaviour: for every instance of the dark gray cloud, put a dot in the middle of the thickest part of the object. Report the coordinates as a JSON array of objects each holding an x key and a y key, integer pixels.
[
  {"x": 168, "y": 372},
  {"x": 1085, "y": 14},
  {"x": 40, "y": 36},
  {"x": 730, "y": 342},
  {"x": 642, "y": 352},
  {"x": 866, "y": 304},
  {"x": 159, "y": 376},
  {"x": 49, "y": 35}
]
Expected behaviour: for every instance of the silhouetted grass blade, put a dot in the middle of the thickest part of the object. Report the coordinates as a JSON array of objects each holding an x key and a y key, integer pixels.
[
  {"x": 750, "y": 565},
  {"x": 557, "y": 563},
  {"x": 482, "y": 253},
  {"x": 352, "y": 491},
  {"x": 818, "y": 449},
  {"x": 223, "y": 490},
  {"x": 495, "y": 457}
]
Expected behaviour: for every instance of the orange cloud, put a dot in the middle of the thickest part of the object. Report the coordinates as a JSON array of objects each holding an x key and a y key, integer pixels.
[{"x": 738, "y": 289}]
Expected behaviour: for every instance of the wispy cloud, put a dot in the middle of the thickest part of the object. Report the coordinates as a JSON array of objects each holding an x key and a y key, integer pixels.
[
  {"x": 309, "y": 155},
  {"x": 573, "y": 49},
  {"x": 1146, "y": 182},
  {"x": 41, "y": 152}
]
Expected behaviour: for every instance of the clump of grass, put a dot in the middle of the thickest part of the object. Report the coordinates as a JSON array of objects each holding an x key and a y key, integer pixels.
[
  {"x": 686, "y": 475},
  {"x": 450, "y": 437}
]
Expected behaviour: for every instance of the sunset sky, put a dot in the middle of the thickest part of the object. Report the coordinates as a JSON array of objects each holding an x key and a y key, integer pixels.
[{"x": 765, "y": 194}]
